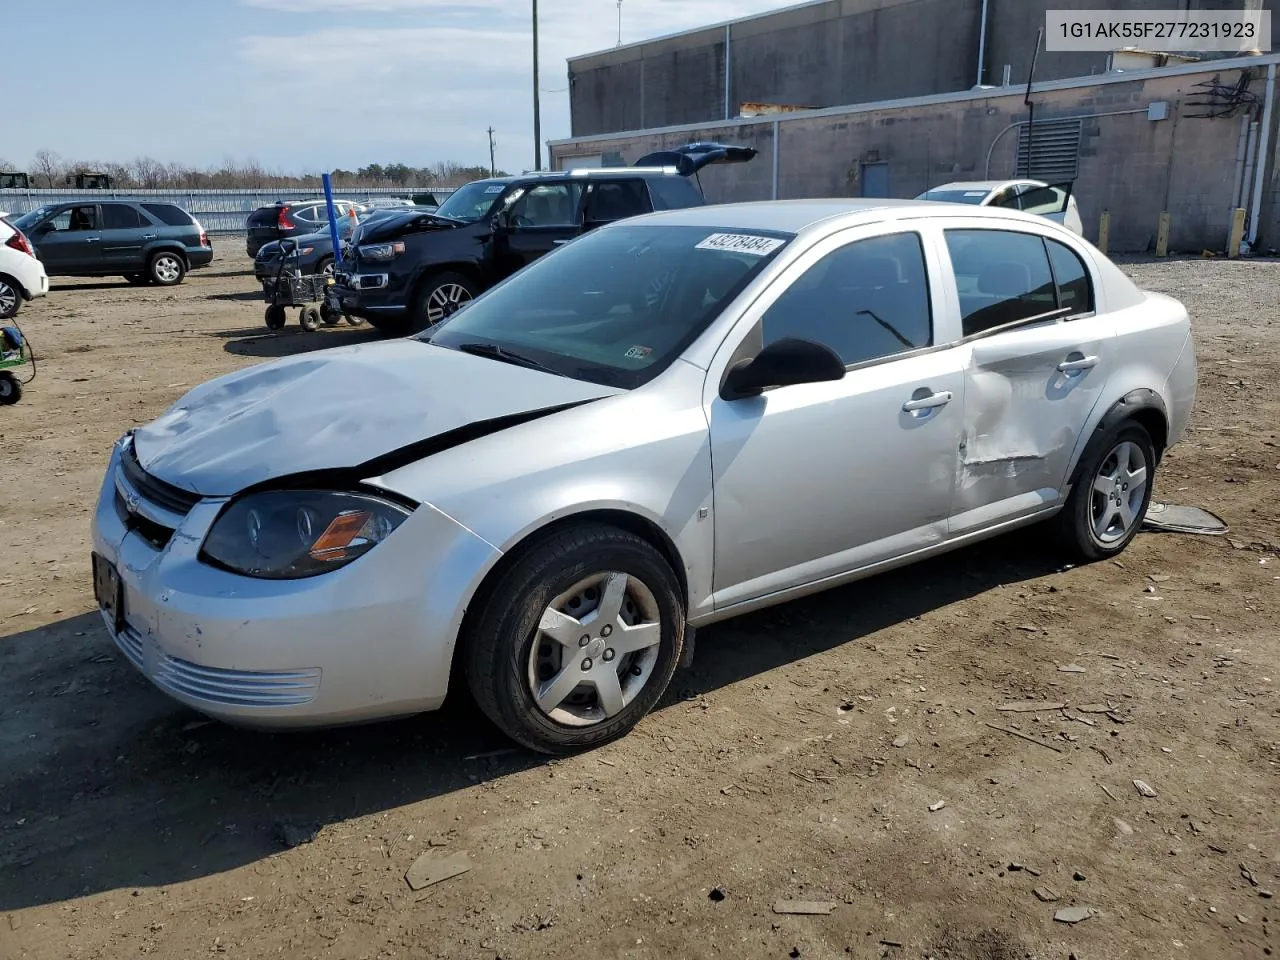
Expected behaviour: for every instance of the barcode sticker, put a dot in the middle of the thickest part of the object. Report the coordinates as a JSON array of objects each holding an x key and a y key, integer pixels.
[{"x": 741, "y": 243}]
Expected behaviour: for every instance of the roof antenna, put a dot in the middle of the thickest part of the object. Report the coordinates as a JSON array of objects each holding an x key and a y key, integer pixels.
[{"x": 1031, "y": 107}]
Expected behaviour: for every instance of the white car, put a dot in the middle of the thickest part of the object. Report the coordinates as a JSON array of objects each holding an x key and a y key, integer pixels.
[
  {"x": 1052, "y": 200},
  {"x": 22, "y": 275},
  {"x": 667, "y": 421},
  {"x": 387, "y": 203}
]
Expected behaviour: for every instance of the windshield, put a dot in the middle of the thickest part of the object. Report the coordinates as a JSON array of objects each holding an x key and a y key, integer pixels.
[
  {"x": 955, "y": 196},
  {"x": 616, "y": 306},
  {"x": 29, "y": 220},
  {"x": 473, "y": 201}
]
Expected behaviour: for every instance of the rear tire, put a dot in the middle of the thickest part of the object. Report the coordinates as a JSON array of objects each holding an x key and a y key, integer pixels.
[
  {"x": 329, "y": 316},
  {"x": 553, "y": 670},
  {"x": 10, "y": 389},
  {"x": 10, "y": 298},
  {"x": 1110, "y": 495},
  {"x": 309, "y": 319},
  {"x": 440, "y": 296},
  {"x": 166, "y": 268}
]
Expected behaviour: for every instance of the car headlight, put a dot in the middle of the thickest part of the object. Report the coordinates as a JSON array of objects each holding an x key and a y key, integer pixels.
[
  {"x": 381, "y": 251},
  {"x": 293, "y": 534}
]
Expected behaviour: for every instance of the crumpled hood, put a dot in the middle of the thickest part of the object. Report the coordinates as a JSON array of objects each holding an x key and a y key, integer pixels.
[{"x": 336, "y": 409}]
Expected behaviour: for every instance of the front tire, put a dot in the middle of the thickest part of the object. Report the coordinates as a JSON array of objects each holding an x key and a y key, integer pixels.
[
  {"x": 577, "y": 640},
  {"x": 309, "y": 319},
  {"x": 166, "y": 269},
  {"x": 1109, "y": 499},
  {"x": 439, "y": 297},
  {"x": 10, "y": 298}
]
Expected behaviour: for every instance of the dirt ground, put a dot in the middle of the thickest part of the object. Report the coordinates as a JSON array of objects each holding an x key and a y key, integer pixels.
[{"x": 805, "y": 755}]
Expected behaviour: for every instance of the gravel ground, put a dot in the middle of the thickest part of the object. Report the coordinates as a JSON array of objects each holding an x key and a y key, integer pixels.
[{"x": 834, "y": 749}]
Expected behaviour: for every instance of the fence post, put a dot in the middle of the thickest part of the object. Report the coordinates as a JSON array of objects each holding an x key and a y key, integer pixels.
[
  {"x": 1237, "y": 232},
  {"x": 1104, "y": 230},
  {"x": 1162, "y": 235}
]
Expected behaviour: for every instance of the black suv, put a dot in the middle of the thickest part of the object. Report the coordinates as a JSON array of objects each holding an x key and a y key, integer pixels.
[
  {"x": 142, "y": 241},
  {"x": 409, "y": 271}
]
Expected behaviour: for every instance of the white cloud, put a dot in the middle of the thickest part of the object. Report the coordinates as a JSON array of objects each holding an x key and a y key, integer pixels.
[{"x": 425, "y": 84}]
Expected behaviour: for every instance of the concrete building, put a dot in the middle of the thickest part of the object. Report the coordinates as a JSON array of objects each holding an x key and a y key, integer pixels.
[
  {"x": 833, "y": 53},
  {"x": 1194, "y": 139}
]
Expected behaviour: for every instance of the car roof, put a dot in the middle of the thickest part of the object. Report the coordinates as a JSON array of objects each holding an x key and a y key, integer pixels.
[
  {"x": 795, "y": 216},
  {"x": 987, "y": 185}
]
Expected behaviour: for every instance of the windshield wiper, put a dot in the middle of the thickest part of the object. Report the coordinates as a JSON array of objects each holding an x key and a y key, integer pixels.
[{"x": 495, "y": 352}]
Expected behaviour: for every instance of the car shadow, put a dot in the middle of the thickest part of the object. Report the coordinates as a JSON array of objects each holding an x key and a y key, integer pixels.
[
  {"x": 292, "y": 339},
  {"x": 121, "y": 284},
  {"x": 108, "y": 784}
]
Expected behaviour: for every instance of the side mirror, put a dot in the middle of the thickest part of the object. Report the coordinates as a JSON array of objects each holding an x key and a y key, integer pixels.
[{"x": 783, "y": 363}]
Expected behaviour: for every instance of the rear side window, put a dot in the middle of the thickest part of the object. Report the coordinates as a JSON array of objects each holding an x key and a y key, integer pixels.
[
  {"x": 607, "y": 202},
  {"x": 169, "y": 214},
  {"x": 1075, "y": 292},
  {"x": 674, "y": 193},
  {"x": 308, "y": 214},
  {"x": 1002, "y": 277},
  {"x": 121, "y": 216}
]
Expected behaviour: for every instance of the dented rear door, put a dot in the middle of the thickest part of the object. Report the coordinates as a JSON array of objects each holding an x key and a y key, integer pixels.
[{"x": 1038, "y": 360}]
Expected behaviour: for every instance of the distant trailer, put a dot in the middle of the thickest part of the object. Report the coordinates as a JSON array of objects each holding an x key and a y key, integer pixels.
[{"x": 14, "y": 181}]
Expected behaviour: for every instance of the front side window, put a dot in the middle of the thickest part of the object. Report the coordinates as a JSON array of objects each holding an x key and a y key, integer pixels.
[
  {"x": 617, "y": 306},
  {"x": 1004, "y": 277},
  {"x": 76, "y": 219},
  {"x": 546, "y": 205},
  {"x": 866, "y": 300}
]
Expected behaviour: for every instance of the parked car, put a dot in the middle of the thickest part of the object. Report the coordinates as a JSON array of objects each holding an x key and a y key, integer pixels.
[
  {"x": 409, "y": 272},
  {"x": 292, "y": 218},
  {"x": 316, "y": 249},
  {"x": 1052, "y": 200},
  {"x": 22, "y": 275},
  {"x": 142, "y": 241},
  {"x": 670, "y": 421},
  {"x": 387, "y": 203}
]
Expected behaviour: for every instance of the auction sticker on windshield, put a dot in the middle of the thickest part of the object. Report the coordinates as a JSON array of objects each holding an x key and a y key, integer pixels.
[
  {"x": 496, "y": 188},
  {"x": 741, "y": 243}
]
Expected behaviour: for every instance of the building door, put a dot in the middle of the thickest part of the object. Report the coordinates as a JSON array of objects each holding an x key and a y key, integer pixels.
[{"x": 875, "y": 180}]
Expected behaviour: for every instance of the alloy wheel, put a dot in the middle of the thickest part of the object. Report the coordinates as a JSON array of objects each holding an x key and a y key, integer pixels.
[
  {"x": 445, "y": 301},
  {"x": 167, "y": 269},
  {"x": 8, "y": 299}
]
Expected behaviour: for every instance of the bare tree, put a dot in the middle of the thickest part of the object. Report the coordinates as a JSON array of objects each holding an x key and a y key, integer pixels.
[
  {"x": 148, "y": 173},
  {"x": 48, "y": 165}
]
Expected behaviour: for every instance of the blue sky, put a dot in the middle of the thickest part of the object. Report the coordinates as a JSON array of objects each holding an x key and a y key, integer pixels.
[{"x": 307, "y": 85}]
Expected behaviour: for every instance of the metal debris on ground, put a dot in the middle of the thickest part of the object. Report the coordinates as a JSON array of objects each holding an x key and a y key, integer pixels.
[
  {"x": 429, "y": 869},
  {"x": 1144, "y": 788},
  {"x": 1170, "y": 518},
  {"x": 1026, "y": 737},
  {"x": 813, "y": 908},
  {"x": 1071, "y": 668}
]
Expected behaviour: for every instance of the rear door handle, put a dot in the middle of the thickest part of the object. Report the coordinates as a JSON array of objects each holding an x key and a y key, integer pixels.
[
  {"x": 92, "y": 239},
  {"x": 928, "y": 403},
  {"x": 1076, "y": 366},
  {"x": 148, "y": 236},
  {"x": 559, "y": 243}
]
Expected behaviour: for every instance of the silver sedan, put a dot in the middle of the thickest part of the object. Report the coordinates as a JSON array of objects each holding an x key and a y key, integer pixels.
[{"x": 669, "y": 421}]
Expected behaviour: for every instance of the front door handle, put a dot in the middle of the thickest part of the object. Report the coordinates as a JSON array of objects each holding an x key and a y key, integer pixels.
[
  {"x": 1077, "y": 366},
  {"x": 928, "y": 403},
  {"x": 148, "y": 236},
  {"x": 559, "y": 243},
  {"x": 92, "y": 239}
]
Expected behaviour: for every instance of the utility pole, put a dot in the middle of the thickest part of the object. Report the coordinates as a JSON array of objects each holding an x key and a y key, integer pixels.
[
  {"x": 537, "y": 100},
  {"x": 493, "y": 170},
  {"x": 619, "y": 22}
]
